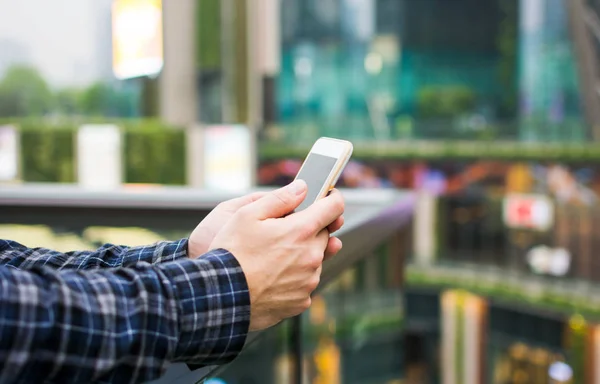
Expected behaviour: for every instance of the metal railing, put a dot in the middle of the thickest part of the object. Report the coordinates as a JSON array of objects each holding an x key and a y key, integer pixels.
[{"x": 375, "y": 240}]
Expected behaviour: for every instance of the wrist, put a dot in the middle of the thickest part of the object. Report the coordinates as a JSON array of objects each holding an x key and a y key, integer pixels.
[
  {"x": 213, "y": 308},
  {"x": 198, "y": 242}
]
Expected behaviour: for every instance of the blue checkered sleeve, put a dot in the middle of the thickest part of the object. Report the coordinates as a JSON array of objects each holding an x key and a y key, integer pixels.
[
  {"x": 107, "y": 256},
  {"x": 121, "y": 325}
]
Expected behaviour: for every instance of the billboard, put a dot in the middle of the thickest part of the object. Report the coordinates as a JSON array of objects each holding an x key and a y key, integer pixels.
[
  {"x": 228, "y": 162},
  {"x": 137, "y": 35}
]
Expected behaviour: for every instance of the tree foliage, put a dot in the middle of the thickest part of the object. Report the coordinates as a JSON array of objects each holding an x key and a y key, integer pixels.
[{"x": 24, "y": 92}]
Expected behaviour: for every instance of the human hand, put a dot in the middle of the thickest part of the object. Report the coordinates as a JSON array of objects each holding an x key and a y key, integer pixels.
[
  {"x": 205, "y": 232},
  {"x": 281, "y": 256}
]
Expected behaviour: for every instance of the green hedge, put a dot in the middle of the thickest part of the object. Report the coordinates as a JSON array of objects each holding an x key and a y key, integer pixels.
[
  {"x": 451, "y": 150},
  {"x": 505, "y": 291},
  {"x": 155, "y": 155},
  {"x": 48, "y": 155},
  {"x": 153, "y": 152}
]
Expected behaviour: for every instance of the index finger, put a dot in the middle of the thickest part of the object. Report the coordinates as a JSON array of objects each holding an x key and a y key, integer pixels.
[{"x": 323, "y": 212}]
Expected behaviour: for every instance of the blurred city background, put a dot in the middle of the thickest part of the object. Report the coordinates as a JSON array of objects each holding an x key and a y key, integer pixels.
[{"x": 483, "y": 114}]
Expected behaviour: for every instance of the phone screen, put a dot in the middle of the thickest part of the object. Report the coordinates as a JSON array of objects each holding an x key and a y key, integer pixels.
[{"x": 314, "y": 172}]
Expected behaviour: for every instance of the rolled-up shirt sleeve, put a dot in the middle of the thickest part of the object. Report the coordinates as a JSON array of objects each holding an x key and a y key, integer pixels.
[{"x": 121, "y": 325}]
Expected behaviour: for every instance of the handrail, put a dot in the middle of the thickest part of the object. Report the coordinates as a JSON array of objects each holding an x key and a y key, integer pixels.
[
  {"x": 372, "y": 217},
  {"x": 583, "y": 24}
]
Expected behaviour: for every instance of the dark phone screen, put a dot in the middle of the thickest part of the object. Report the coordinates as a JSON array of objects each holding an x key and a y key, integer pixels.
[{"x": 314, "y": 172}]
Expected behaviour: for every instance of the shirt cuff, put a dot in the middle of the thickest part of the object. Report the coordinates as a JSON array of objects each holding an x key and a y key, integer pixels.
[
  {"x": 213, "y": 307},
  {"x": 161, "y": 252}
]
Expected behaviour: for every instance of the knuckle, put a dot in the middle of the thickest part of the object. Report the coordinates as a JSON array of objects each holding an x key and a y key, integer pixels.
[
  {"x": 339, "y": 205},
  {"x": 323, "y": 238},
  {"x": 244, "y": 212},
  {"x": 308, "y": 229},
  {"x": 305, "y": 305},
  {"x": 282, "y": 196},
  {"x": 314, "y": 259},
  {"x": 313, "y": 283},
  {"x": 314, "y": 227}
]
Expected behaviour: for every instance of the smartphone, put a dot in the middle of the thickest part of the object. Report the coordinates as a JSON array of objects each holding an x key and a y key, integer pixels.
[{"x": 322, "y": 168}]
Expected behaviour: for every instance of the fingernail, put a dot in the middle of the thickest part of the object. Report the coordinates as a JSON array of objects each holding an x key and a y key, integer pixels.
[{"x": 298, "y": 186}]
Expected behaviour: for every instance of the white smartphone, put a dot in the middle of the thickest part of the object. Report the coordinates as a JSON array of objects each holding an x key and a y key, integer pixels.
[{"x": 322, "y": 168}]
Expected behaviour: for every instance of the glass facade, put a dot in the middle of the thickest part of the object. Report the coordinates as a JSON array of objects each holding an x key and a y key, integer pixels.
[
  {"x": 427, "y": 69},
  {"x": 549, "y": 107}
]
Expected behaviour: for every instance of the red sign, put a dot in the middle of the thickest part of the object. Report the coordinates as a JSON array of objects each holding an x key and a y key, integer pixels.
[{"x": 528, "y": 211}]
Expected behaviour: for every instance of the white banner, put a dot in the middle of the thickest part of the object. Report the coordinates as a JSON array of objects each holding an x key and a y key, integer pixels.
[
  {"x": 227, "y": 158},
  {"x": 9, "y": 153},
  {"x": 99, "y": 164}
]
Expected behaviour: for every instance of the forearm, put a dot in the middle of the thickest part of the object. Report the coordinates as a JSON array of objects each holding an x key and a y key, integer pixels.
[
  {"x": 122, "y": 325},
  {"x": 19, "y": 256}
]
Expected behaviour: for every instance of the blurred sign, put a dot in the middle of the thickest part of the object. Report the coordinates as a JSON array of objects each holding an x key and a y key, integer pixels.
[
  {"x": 519, "y": 178},
  {"x": 227, "y": 158},
  {"x": 560, "y": 372},
  {"x": 528, "y": 212},
  {"x": 137, "y": 38},
  {"x": 9, "y": 153},
  {"x": 549, "y": 261},
  {"x": 99, "y": 156}
]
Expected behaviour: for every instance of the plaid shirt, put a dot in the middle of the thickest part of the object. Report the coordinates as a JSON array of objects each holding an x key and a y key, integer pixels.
[{"x": 117, "y": 314}]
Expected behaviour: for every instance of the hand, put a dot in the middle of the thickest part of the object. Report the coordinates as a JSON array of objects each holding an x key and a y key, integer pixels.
[
  {"x": 334, "y": 245},
  {"x": 208, "y": 228},
  {"x": 205, "y": 232},
  {"x": 281, "y": 256}
]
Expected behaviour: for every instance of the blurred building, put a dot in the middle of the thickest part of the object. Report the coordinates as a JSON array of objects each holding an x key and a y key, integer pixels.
[
  {"x": 362, "y": 69},
  {"x": 379, "y": 69}
]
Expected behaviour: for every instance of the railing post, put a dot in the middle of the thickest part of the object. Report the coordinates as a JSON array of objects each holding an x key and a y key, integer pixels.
[
  {"x": 296, "y": 349},
  {"x": 398, "y": 248},
  {"x": 424, "y": 234}
]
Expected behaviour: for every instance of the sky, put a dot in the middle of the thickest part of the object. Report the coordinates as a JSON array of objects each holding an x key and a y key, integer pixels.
[{"x": 67, "y": 40}]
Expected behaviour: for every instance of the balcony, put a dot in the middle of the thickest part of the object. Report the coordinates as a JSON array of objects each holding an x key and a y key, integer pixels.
[{"x": 357, "y": 315}]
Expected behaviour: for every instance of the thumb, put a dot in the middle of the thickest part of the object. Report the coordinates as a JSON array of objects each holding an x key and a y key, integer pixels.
[{"x": 281, "y": 201}]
